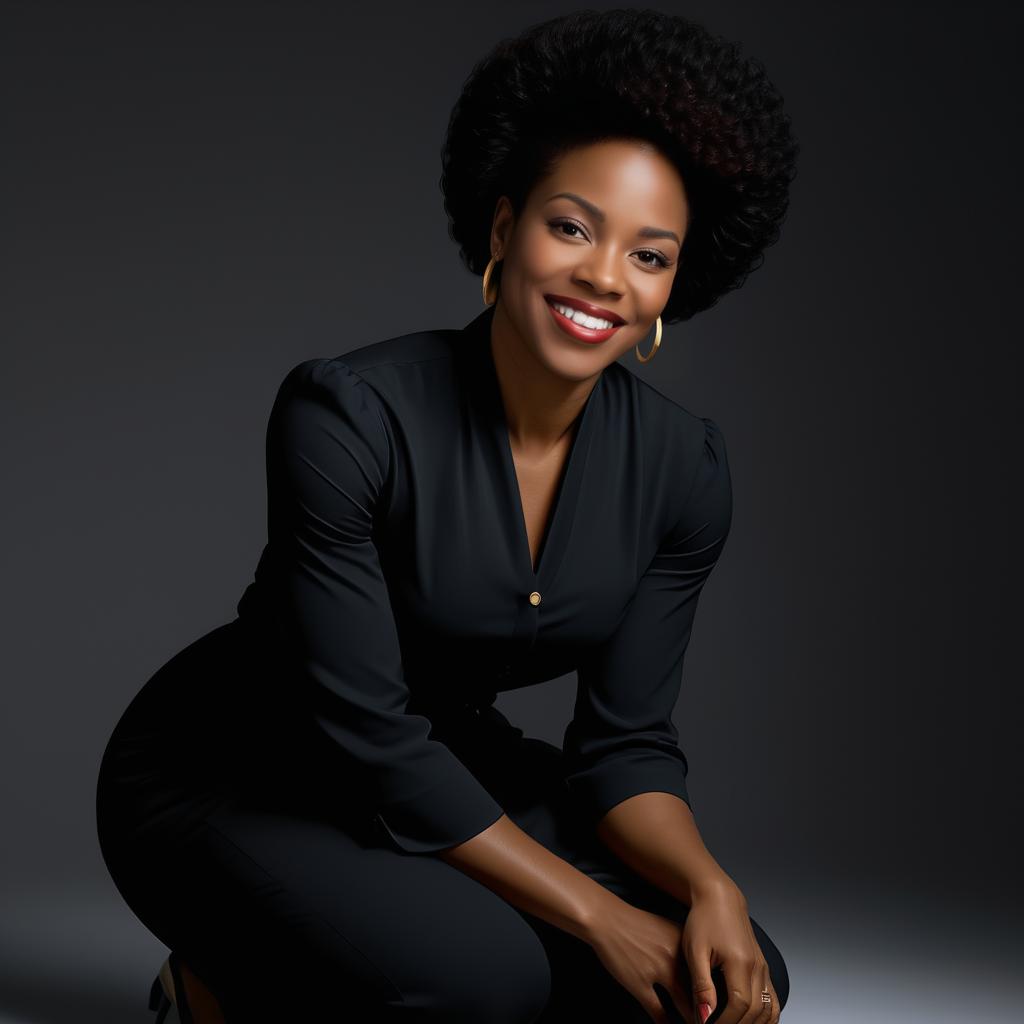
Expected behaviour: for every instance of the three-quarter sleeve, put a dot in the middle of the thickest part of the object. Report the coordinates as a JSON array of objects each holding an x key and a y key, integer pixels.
[
  {"x": 329, "y": 459},
  {"x": 622, "y": 740}
]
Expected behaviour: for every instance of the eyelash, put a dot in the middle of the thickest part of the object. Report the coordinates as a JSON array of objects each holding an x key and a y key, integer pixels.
[{"x": 561, "y": 221}]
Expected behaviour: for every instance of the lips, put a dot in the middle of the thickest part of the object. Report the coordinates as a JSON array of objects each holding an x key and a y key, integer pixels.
[
  {"x": 586, "y": 307},
  {"x": 578, "y": 331}
]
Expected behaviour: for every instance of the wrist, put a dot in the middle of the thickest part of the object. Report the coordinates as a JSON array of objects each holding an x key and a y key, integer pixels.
[
  {"x": 595, "y": 912},
  {"x": 712, "y": 884}
]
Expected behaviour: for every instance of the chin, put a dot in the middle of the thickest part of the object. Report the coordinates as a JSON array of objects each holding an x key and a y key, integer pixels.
[{"x": 575, "y": 361}]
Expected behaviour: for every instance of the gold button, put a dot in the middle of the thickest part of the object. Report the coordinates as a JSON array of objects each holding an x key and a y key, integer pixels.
[{"x": 535, "y": 598}]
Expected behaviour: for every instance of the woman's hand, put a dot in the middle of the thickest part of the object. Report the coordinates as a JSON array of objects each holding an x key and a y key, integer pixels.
[
  {"x": 717, "y": 933},
  {"x": 640, "y": 949}
]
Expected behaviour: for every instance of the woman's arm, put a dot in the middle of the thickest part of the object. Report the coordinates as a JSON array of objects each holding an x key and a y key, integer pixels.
[
  {"x": 528, "y": 875},
  {"x": 622, "y": 741},
  {"x": 625, "y": 765},
  {"x": 656, "y": 835},
  {"x": 329, "y": 464}
]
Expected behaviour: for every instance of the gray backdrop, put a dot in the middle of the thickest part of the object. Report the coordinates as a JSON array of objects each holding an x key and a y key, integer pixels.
[{"x": 196, "y": 196}]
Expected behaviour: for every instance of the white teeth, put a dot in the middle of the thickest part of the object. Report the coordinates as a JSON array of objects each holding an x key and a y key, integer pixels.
[{"x": 579, "y": 317}]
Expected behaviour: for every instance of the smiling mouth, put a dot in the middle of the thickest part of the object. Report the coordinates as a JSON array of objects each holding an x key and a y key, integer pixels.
[
  {"x": 586, "y": 315},
  {"x": 568, "y": 319}
]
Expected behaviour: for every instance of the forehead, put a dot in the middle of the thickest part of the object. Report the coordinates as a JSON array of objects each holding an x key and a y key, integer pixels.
[{"x": 625, "y": 178}]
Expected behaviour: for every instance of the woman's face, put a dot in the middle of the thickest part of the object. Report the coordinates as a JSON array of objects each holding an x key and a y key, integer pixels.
[{"x": 605, "y": 228}]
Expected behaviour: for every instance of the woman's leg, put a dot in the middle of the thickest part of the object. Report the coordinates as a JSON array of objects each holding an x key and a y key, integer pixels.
[
  {"x": 284, "y": 905},
  {"x": 288, "y": 917}
]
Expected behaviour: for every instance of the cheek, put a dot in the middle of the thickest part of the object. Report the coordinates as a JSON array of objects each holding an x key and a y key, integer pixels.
[
  {"x": 651, "y": 297},
  {"x": 653, "y": 290},
  {"x": 542, "y": 257},
  {"x": 625, "y": 341}
]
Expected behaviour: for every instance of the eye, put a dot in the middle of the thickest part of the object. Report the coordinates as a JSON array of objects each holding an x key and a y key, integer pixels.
[
  {"x": 657, "y": 256},
  {"x": 563, "y": 222}
]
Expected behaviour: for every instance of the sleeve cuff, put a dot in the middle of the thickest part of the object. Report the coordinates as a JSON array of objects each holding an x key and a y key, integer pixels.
[
  {"x": 598, "y": 789},
  {"x": 440, "y": 817}
]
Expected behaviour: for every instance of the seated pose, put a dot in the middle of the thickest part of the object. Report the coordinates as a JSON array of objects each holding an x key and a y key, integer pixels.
[{"x": 316, "y": 806}]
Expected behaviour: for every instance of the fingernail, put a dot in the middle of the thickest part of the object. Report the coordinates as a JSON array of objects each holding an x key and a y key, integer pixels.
[{"x": 704, "y": 1009}]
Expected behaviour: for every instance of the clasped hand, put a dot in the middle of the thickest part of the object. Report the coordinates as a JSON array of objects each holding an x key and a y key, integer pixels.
[{"x": 640, "y": 949}]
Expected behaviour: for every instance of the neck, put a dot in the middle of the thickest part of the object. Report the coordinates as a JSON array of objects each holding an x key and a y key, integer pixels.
[{"x": 541, "y": 407}]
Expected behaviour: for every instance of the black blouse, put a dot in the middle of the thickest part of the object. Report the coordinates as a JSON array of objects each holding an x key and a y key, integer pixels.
[{"x": 397, "y": 577}]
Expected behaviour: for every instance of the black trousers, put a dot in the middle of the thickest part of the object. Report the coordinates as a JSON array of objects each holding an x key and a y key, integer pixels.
[{"x": 287, "y": 904}]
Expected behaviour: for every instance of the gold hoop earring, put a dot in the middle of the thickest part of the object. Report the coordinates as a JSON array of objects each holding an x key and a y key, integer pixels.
[
  {"x": 654, "y": 348},
  {"x": 488, "y": 301}
]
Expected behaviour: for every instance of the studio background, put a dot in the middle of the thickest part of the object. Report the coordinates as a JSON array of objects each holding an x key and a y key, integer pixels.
[{"x": 196, "y": 196}]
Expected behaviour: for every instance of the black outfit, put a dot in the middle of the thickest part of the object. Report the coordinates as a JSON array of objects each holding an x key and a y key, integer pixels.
[{"x": 267, "y": 801}]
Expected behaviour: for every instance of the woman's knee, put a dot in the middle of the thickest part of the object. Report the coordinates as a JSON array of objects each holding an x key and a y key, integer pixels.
[
  {"x": 503, "y": 976},
  {"x": 776, "y": 964}
]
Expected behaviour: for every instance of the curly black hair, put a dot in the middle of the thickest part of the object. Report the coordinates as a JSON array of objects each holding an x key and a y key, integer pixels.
[{"x": 633, "y": 74}]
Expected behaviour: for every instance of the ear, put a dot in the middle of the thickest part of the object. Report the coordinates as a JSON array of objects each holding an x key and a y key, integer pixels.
[{"x": 502, "y": 226}]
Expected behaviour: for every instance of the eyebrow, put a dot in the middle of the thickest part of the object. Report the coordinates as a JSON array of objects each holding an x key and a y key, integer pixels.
[{"x": 595, "y": 211}]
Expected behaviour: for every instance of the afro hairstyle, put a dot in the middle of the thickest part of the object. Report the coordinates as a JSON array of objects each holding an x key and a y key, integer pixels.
[{"x": 636, "y": 74}]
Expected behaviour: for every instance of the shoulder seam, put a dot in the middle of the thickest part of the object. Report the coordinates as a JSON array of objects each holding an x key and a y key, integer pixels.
[
  {"x": 697, "y": 466},
  {"x": 388, "y": 362},
  {"x": 655, "y": 391},
  {"x": 332, "y": 363}
]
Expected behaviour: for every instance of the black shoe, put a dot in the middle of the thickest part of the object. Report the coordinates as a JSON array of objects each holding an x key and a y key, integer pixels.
[
  {"x": 158, "y": 1000},
  {"x": 167, "y": 984}
]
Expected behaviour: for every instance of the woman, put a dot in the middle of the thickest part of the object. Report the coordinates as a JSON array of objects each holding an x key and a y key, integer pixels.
[{"x": 316, "y": 806}]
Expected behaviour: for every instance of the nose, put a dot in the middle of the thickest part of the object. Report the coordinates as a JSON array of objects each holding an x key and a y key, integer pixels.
[{"x": 601, "y": 268}]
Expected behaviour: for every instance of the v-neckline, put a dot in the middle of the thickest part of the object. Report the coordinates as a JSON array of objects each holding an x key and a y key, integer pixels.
[{"x": 564, "y": 505}]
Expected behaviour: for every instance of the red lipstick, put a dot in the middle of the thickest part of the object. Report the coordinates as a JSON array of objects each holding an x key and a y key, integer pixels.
[{"x": 578, "y": 331}]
